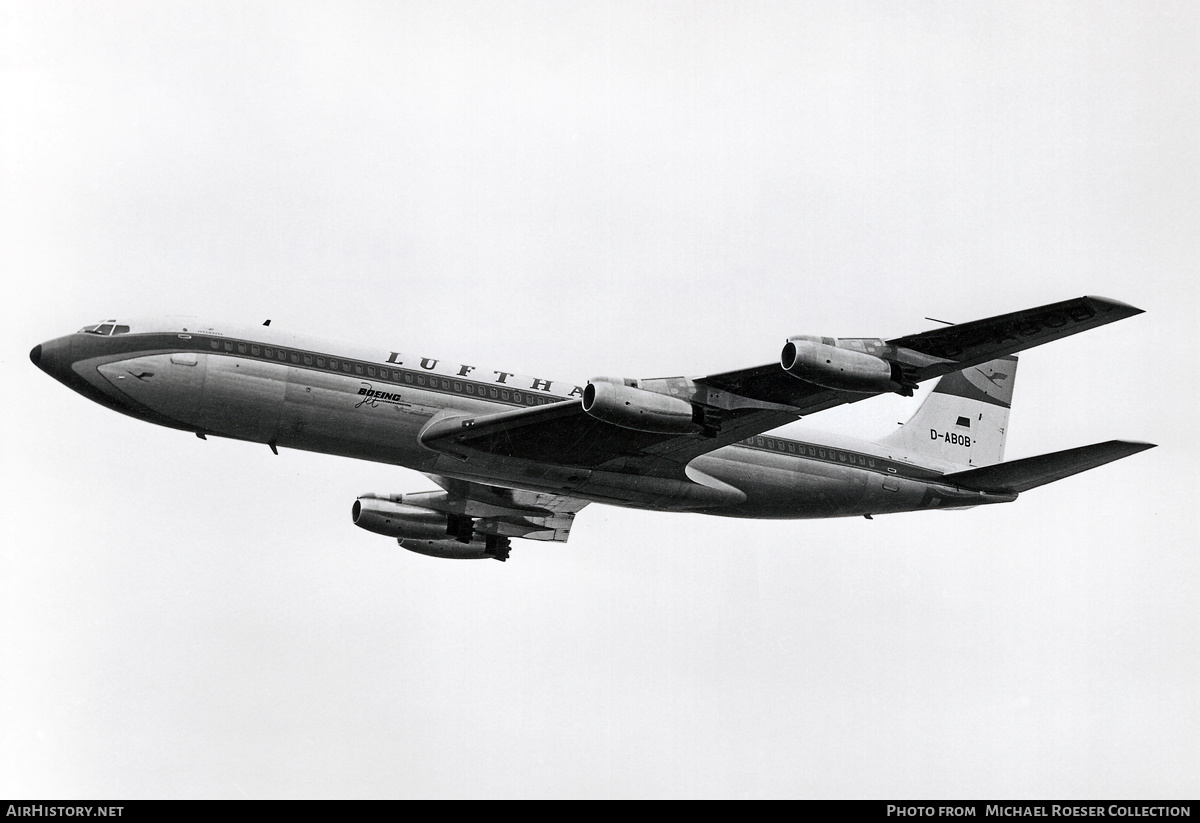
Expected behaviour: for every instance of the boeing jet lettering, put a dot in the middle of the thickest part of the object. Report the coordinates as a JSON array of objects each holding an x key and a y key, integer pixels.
[{"x": 518, "y": 457}]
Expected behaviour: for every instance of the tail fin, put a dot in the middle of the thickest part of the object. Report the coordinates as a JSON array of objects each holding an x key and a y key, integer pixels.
[
  {"x": 1022, "y": 475},
  {"x": 964, "y": 421}
]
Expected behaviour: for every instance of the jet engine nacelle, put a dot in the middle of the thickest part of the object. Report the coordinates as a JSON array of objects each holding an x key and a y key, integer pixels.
[
  {"x": 481, "y": 547},
  {"x": 426, "y": 531},
  {"x": 613, "y": 401},
  {"x": 393, "y": 519},
  {"x": 834, "y": 367}
]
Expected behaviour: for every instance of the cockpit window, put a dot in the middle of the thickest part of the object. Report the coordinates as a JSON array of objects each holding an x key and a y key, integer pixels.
[{"x": 106, "y": 329}]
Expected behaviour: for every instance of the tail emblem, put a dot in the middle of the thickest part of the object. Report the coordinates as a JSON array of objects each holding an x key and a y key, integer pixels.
[{"x": 994, "y": 378}]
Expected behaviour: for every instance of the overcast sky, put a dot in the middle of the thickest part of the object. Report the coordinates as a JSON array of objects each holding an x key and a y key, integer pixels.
[{"x": 580, "y": 189}]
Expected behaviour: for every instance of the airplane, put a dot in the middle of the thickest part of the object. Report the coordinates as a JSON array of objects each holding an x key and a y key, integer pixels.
[{"x": 517, "y": 456}]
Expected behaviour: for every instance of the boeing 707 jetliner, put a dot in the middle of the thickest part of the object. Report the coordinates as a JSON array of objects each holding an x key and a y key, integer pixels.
[{"x": 517, "y": 456}]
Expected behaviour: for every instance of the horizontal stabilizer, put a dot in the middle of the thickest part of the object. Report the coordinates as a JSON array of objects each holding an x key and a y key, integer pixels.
[{"x": 1031, "y": 472}]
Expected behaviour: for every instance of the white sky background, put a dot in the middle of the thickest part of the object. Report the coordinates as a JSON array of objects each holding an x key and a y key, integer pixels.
[{"x": 573, "y": 189}]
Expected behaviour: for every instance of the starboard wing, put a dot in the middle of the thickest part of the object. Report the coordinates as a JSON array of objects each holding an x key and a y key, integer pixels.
[{"x": 738, "y": 404}]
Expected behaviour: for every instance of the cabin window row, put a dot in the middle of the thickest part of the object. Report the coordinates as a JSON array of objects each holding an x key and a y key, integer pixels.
[
  {"x": 472, "y": 389},
  {"x": 811, "y": 451},
  {"x": 395, "y": 375}
]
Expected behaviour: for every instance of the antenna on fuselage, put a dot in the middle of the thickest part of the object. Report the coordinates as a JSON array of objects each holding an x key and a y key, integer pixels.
[
  {"x": 934, "y": 319},
  {"x": 267, "y": 322}
]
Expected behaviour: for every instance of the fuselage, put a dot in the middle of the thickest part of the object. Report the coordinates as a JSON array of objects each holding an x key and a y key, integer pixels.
[{"x": 264, "y": 386}]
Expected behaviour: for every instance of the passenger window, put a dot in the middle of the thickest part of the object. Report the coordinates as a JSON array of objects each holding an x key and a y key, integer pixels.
[
  {"x": 228, "y": 346},
  {"x": 241, "y": 348},
  {"x": 216, "y": 344},
  {"x": 308, "y": 359},
  {"x": 255, "y": 350},
  {"x": 320, "y": 362},
  {"x": 295, "y": 357},
  {"x": 370, "y": 371},
  {"x": 345, "y": 366},
  {"x": 357, "y": 369}
]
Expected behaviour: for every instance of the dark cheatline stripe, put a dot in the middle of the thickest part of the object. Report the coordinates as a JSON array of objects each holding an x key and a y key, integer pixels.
[
  {"x": 825, "y": 454},
  {"x": 156, "y": 343},
  {"x": 385, "y": 373}
]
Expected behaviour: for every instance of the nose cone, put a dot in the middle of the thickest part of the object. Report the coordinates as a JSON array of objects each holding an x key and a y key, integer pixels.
[
  {"x": 73, "y": 361},
  {"x": 54, "y": 358}
]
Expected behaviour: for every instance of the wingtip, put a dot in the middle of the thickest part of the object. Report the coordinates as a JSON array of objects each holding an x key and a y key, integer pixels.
[
  {"x": 1134, "y": 446},
  {"x": 1109, "y": 305}
]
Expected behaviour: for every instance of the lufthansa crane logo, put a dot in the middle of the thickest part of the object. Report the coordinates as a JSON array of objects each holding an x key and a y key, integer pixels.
[{"x": 994, "y": 378}]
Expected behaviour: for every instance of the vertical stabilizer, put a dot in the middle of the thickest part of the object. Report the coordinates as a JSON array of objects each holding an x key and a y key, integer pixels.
[{"x": 964, "y": 420}]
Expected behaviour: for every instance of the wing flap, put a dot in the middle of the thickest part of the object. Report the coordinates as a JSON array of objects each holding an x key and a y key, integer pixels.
[
  {"x": 771, "y": 384},
  {"x": 1031, "y": 472},
  {"x": 560, "y": 433}
]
